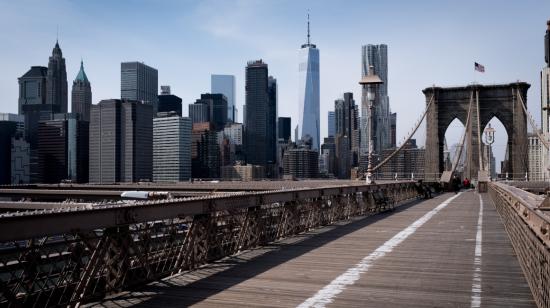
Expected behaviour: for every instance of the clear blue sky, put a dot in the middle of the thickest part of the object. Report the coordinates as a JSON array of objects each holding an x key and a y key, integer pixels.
[{"x": 430, "y": 42}]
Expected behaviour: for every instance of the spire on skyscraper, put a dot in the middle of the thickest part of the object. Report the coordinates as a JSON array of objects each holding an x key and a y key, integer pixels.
[
  {"x": 308, "y": 28},
  {"x": 81, "y": 94},
  {"x": 57, "y": 49},
  {"x": 81, "y": 74},
  {"x": 57, "y": 80},
  {"x": 547, "y": 44},
  {"x": 308, "y": 44},
  {"x": 57, "y": 37}
]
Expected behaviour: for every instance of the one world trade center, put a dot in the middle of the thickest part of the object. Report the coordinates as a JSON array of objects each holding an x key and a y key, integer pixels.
[{"x": 309, "y": 117}]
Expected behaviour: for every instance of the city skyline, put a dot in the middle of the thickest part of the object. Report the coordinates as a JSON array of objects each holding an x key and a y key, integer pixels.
[
  {"x": 341, "y": 43},
  {"x": 166, "y": 173}
]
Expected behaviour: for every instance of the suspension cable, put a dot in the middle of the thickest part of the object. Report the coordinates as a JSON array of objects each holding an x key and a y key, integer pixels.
[
  {"x": 532, "y": 122},
  {"x": 457, "y": 157},
  {"x": 461, "y": 146},
  {"x": 406, "y": 140}
]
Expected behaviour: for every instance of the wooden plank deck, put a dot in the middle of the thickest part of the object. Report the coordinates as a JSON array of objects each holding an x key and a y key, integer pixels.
[{"x": 432, "y": 267}]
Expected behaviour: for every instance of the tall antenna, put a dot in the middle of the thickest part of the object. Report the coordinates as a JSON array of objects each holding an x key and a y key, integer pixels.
[{"x": 308, "y": 27}]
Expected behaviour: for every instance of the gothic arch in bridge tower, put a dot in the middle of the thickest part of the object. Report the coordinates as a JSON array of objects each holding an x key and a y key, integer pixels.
[
  {"x": 499, "y": 148},
  {"x": 453, "y": 135},
  {"x": 483, "y": 103}
]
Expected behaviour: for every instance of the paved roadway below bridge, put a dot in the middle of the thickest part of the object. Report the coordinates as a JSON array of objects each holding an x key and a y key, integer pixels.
[{"x": 443, "y": 252}]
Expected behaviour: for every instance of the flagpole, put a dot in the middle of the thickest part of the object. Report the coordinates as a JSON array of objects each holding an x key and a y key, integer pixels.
[
  {"x": 479, "y": 68},
  {"x": 475, "y": 74}
]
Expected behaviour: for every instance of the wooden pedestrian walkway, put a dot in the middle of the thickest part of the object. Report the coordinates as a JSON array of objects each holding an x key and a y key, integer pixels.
[{"x": 450, "y": 251}]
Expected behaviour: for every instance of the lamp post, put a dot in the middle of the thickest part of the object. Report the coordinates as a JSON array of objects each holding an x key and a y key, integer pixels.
[
  {"x": 369, "y": 84},
  {"x": 489, "y": 139}
]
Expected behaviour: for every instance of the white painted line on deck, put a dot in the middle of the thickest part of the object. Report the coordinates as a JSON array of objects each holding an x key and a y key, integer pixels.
[
  {"x": 476, "y": 282},
  {"x": 327, "y": 294}
]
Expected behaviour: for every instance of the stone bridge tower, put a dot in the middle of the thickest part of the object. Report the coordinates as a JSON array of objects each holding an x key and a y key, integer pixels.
[{"x": 500, "y": 101}]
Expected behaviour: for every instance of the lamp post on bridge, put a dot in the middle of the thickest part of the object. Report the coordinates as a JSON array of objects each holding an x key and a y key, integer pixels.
[
  {"x": 369, "y": 84},
  {"x": 489, "y": 139}
]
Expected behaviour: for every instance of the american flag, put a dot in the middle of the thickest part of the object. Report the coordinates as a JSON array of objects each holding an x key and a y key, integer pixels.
[{"x": 478, "y": 67}]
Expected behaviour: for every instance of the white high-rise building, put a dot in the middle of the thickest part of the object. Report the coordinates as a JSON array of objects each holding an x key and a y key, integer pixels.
[
  {"x": 225, "y": 84},
  {"x": 171, "y": 148},
  {"x": 309, "y": 92},
  {"x": 234, "y": 132},
  {"x": 535, "y": 158},
  {"x": 377, "y": 57}
]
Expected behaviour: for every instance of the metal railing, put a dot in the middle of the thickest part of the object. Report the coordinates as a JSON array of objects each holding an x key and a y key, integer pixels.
[
  {"x": 65, "y": 257},
  {"x": 387, "y": 176},
  {"x": 528, "y": 226}
]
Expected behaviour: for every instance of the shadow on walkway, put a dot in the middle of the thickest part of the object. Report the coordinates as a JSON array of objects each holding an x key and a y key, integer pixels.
[{"x": 171, "y": 292}]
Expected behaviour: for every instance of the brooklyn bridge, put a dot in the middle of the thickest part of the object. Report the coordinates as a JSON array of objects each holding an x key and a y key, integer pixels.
[{"x": 295, "y": 243}]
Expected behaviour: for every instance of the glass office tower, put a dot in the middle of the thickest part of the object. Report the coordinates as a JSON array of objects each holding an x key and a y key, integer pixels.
[
  {"x": 308, "y": 113},
  {"x": 225, "y": 84}
]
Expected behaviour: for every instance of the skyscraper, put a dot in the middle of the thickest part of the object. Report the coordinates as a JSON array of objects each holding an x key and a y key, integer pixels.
[
  {"x": 198, "y": 112},
  {"x": 283, "y": 128},
  {"x": 345, "y": 115},
  {"x": 210, "y": 108},
  {"x": 377, "y": 57},
  {"x": 10, "y": 125},
  {"x": 139, "y": 82},
  {"x": 225, "y": 84},
  {"x": 217, "y": 109},
  {"x": 534, "y": 154},
  {"x": 63, "y": 149},
  {"x": 346, "y": 135},
  {"x": 257, "y": 110},
  {"x": 171, "y": 148},
  {"x": 78, "y": 142},
  {"x": 121, "y": 141},
  {"x": 32, "y": 88},
  {"x": 14, "y": 150},
  {"x": 20, "y": 160},
  {"x": 331, "y": 124},
  {"x": 301, "y": 162},
  {"x": 205, "y": 151},
  {"x": 57, "y": 80},
  {"x": 234, "y": 133},
  {"x": 308, "y": 104},
  {"x": 168, "y": 102},
  {"x": 33, "y": 106},
  {"x": 42, "y": 93},
  {"x": 328, "y": 151},
  {"x": 52, "y": 151},
  {"x": 271, "y": 127},
  {"x": 393, "y": 130},
  {"x": 81, "y": 95}
]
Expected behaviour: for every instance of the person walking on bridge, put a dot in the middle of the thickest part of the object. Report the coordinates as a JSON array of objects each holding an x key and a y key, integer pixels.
[
  {"x": 456, "y": 184},
  {"x": 466, "y": 183}
]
